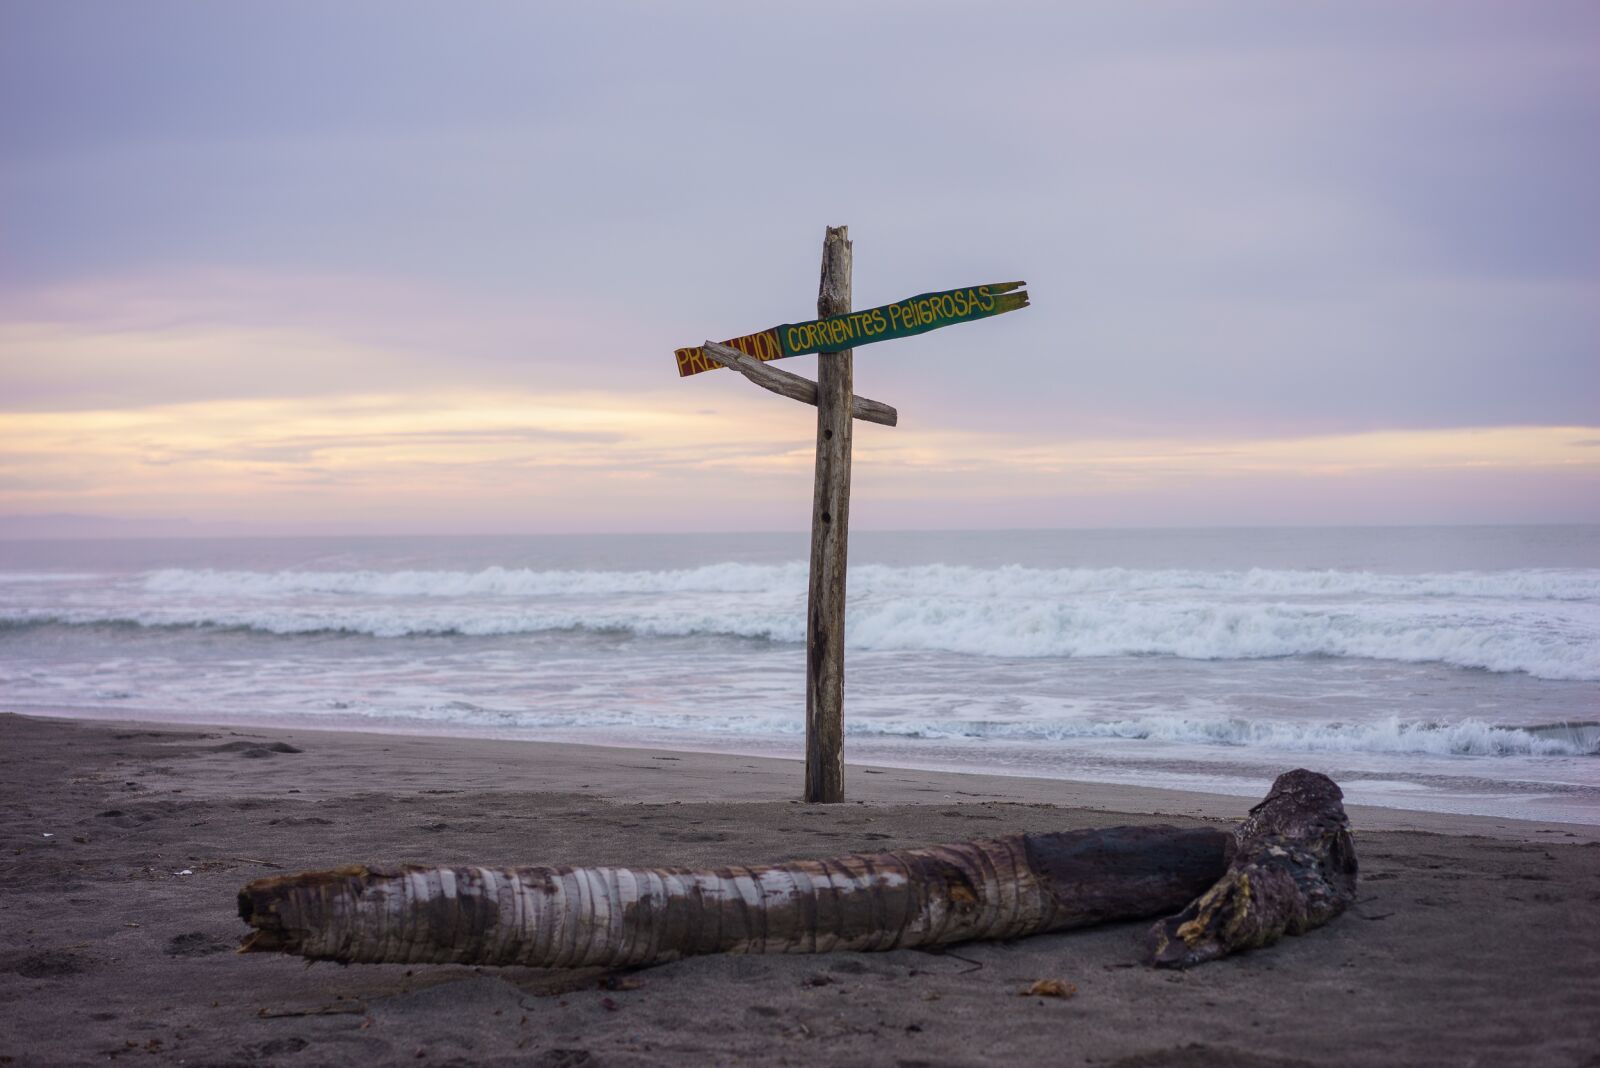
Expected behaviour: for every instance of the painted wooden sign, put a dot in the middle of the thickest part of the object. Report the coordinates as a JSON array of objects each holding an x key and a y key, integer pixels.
[{"x": 914, "y": 315}]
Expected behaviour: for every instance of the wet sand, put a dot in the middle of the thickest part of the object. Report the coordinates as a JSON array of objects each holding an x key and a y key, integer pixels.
[{"x": 122, "y": 847}]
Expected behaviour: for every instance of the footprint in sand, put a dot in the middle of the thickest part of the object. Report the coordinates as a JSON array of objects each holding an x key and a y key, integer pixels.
[
  {"x": 49, "y": 964},
  {"x": 196, "y": 944},
  {"x": 256, "y": 750}
]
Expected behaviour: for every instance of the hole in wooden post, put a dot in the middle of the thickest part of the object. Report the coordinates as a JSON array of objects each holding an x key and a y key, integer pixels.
[
  {"x": 827, "y": 435},
  {"x": 826, "y": 518}
]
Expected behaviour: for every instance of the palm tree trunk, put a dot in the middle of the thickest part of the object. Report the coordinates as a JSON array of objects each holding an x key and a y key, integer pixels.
[{"x": 625, "y": 917}]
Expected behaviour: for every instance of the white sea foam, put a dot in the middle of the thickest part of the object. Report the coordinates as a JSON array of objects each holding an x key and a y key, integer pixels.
[
  {"x": 488, "y": 582},
  {"x": 932, "y": 580},
  {"x": 1392, "y": 735},
  {"x": 1185, "y": 665},
  {"x": 1466, "y": 738},
  {"x": 1545, "y": 648},
  {"x": 1545, "y": 622}
]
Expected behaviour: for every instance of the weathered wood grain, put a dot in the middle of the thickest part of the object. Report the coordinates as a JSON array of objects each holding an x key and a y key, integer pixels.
[
  {"x": 830, "y": 535},
  {"x": 1294, "y": 870},
  {"x": 793, "y": 386},
  {"x": 1007, "y": 887},
  {"x": 1289, "y": 867}
]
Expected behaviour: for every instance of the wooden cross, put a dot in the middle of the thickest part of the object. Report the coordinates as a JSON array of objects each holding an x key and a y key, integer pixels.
[{"x": 833, "y": 335}]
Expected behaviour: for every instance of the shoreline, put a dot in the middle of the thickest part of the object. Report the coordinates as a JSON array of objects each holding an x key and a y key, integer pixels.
[
  {"x": 126, "y": 844},
  {"x": 867, "y": 776}
]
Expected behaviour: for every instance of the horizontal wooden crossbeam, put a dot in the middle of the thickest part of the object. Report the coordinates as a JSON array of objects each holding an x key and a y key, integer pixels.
[{"x": 794, "y": 386}]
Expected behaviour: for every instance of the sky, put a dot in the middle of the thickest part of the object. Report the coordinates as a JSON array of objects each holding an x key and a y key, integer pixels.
[{"x": 390, "y": 267}]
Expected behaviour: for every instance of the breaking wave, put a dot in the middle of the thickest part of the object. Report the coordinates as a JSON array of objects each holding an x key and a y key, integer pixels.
[
  {"x": 1545, "y": 623},
  {"x": 932, "y": 580},
  {"x": 1391, "y": 735},
  {"x": 1468, "y": 738}
]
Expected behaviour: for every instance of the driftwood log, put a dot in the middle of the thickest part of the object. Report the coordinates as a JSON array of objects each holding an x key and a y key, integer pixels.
[
  {"x": 1006, "y": 887},
  {"x": 1294, "y": 869}
]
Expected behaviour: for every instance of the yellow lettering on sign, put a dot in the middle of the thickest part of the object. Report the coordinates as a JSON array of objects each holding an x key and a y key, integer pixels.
[
  {"x": 763, "y": 346},
  {"x": 913, "y": 315}
]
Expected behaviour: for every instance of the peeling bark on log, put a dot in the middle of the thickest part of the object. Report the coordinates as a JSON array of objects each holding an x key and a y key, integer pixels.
[
  {"x": 620, "y": 917},
  {"x": 1294, "y": 869}
]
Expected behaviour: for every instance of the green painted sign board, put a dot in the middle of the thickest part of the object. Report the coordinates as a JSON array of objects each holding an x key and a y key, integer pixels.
[{"x": 905, "y": 318}]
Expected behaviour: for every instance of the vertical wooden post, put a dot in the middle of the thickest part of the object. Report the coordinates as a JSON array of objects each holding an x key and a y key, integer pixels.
[{"x": 830, "y": 531}]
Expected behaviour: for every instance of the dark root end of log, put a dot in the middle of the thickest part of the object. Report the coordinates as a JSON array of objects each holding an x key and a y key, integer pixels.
[{"x": 1295, "y": 869}]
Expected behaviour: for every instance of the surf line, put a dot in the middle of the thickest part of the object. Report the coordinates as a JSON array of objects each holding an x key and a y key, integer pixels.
[{"x": 904, "y": 318}]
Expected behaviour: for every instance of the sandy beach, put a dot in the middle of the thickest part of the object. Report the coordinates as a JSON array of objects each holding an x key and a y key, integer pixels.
[{"x": 1472, "y": 942}]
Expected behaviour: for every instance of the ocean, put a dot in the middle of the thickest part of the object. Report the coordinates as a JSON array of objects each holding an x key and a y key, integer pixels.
[{"x": 1453, "y": 669}]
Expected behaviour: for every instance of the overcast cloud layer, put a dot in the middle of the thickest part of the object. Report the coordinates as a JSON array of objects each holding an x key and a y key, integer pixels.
[{"x": 1237, "y": 220}]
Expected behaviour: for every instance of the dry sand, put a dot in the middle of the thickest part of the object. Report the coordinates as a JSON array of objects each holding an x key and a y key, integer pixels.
[{"x": 1474, "y": 942}]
